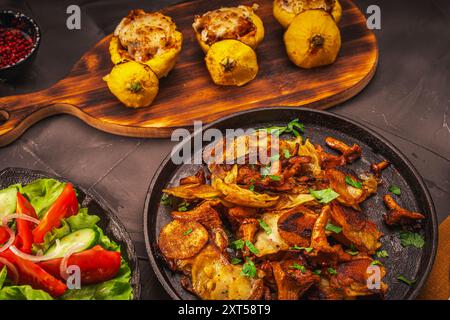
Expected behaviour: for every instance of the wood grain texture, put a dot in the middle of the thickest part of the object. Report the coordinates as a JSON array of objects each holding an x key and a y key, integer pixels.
[{"x": 188, "y": 93}]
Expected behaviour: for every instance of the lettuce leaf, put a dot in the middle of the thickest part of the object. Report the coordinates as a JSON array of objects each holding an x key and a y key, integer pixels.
[
  {"x": 23, "y": 293},
  {"x": 3, "y": 275},
  {"x": 42, "y": 193}
]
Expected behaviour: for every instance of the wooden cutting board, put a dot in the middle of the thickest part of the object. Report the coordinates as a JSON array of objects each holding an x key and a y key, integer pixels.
[{"x": 188, "y": 93}]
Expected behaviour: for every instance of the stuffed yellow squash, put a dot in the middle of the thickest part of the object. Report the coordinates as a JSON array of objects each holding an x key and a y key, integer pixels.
[
  {"x": 286, "y": 10},
  {"x": 229, "y": 36},
  {"x": 149, "y": 38},
  {"x": 312, "y": 39}
]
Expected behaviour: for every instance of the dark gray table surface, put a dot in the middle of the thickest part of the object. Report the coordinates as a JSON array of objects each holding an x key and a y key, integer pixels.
[{"x": 407, "y": 102}]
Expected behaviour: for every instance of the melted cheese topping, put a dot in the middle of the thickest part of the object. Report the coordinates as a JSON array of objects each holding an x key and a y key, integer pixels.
[
  {"x": 145, "y": 35},
  {"x": 298, "y": 6},
  {"x": 224, "y": 23}
]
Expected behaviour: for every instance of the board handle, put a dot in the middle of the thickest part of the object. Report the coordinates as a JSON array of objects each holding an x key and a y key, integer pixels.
[{"x": 18, "y": 113}]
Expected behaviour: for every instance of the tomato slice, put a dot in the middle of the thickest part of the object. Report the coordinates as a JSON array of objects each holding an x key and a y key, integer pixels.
[
  {"x": 96, "y": 265},
  {"x": 24, "y": 237},
  {"x": 4, "y": 235},
  {"x": 33, "y": 275},
  {"x": 65, "y": 206}
]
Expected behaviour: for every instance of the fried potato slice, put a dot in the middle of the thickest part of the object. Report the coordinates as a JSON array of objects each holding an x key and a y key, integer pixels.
[
  {"x": 348, "y": 195},
  {"x": 214, "y": 278},
  {"x": 193, "y": 192},
  {"x": 356, "y": 230},
  {"x": 308, "y": 150},
  {"x": 243, "y": 197},
  {"x": 269, "y": 243},
  {"x": 352, "y": 278},
  {"x": 182, "y": 239},
  {"x": 295, "y": 226},
  {"x": 294, "y": 200}
]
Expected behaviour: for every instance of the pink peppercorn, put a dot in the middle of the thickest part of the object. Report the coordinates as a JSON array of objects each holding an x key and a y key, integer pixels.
[{"x": 14, "y": 46}]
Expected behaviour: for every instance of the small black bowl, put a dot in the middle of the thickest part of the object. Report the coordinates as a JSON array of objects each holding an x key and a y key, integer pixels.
[{"x": 17, "y": 20}]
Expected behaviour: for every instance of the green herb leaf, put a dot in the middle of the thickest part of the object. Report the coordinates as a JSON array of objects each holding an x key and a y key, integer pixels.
[
  {"x": 292, "y": 127},
  {"x": 264, "y": 226},
  {"x": 332, "y": 271},
  {"x": 411, "y": 239},
  {"x": 301, "y": 248},
  {"x": 251, "y": 187},
  {"x": 275, "y": 178},
  {"x": 317, "y": 271},
  {"x": 166, "y": 200},
  {"x": 352, "y": 252},
  {"x": 286, "y": 153},
  {"x": 275, "y": 157},
  {"x": 376, "y": 263},
  {"x": 251, "y": 247},
  {"x": 265, "y": 171},
  {"x": 382, "y": 254},
  {"x": 299, "y": 267},
  {"x": 187, "y": 232},
  {"x": 236, "y": 261},
  {"x": 333, "y": 228},
  {"x": 406, "y": 280},
  {"x": 238, "y": 244},
  {"x": 249, "y": 269},
  {"x": 325, "y": 195},
  {"x": 395, "y": 190},
  {"x": 353, "y": 183},
  {"x": 183, "y": 207}
]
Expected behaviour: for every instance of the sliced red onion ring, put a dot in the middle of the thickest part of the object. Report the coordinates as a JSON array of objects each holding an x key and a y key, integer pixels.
[
  {"x": 12, "y": 268},
  {"x": 12, "y": 236},
  {"x": 33, "y": 258},
  {"x": 18, "y": 216},
  {"x": 63, "y": 266}
]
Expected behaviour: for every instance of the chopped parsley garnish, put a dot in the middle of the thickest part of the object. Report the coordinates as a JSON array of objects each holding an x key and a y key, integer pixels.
[
  {"x": 249, "y": 269},
  {"x": 356, "y": 184},
  {"x": 251, "y": 187},
  {"x": 411, "y": 239},
  {"x": 352, "y": 252},
  {"x": 294, "y": 127},
  {"x": 166, "y": 200},
  {"x": 275, "y": 157},
  {"x": 317, "y": 271},
  {"x": 406, "y": 280},
  {"x": 251, "y": 247},
  {"x": 187, "y": 232},
  {"x": 299, "y": 267},
  {"x": 183, "y": 207},
  {"x": 395, "y": 190},
  {"x": 333, "y": 228},
  {"x": 307, "y": 249},
  {"x": 275, "y": 178},
  {"x": 238, "y": 244},
  {"x": 376, "y": 263},
  {"x": 332, "y": 271},
  {"x": 286, "y": 153},
  {"x": 265, "y": 171},
  {"x": 382, "y": 254},
  {"x": 325, "y": 195},
  {"x": 236, "y": 261},
  {"x": 264, "y": 226}
]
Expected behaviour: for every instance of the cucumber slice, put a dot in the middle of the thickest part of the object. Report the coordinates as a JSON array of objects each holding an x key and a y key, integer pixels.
[
  {"x": 86, "y": 238},
  {"x": 8, "y": 201}
]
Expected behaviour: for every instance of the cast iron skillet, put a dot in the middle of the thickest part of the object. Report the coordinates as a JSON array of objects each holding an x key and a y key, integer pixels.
[
  {"x": 411, "y": 262},
  {"x": 109, "y": 223}
]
